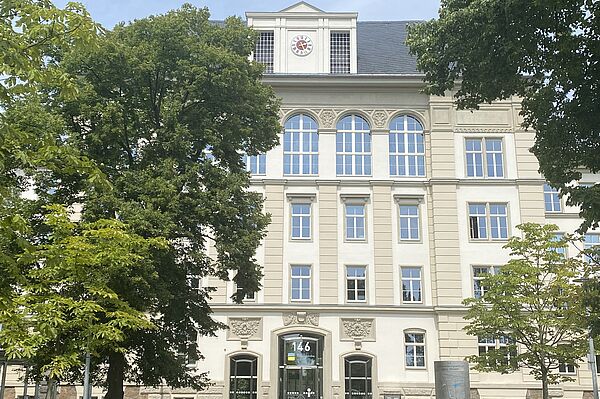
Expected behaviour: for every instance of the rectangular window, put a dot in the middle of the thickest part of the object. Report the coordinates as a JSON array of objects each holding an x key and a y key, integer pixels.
[
  {"x": 551, "y": 199},
  {"x": 564, "y": 368},
  {"x": 414, "y": 345},
  {"x": 484, "y": 157},
  {"x": 493, "y": 215},
  {"x": 256, "y": 164},
  {"x": 265, "y": 50},
  {"x": 356, "y": 284},
  {"x": 355, "y": 222},
  {"x": 411, "y": 285},
  {"x": 250, "y": 297},
  {"x": 339, "y": 52},
  {"x": 301, "y": 221},
  {"x": 301, "y": 283},
  {"x": 502, "y": 343},
  {"x": 479, "y": 273},
  {"x": 486, "y": 345},
  {"x": 409, "y": 222},
  {"x": 559, "y": 249}
]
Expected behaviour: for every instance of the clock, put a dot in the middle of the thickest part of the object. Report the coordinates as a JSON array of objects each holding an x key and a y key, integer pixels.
[{"x": 302, "y": 45}]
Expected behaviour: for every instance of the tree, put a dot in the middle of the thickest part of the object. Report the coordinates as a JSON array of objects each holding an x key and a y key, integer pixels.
[
  {"x": 64, "y": 305},
  {"x": 534, "y": 303},
  {"x": 168, "y": 105},
  {"x": 543, "y": 51}
]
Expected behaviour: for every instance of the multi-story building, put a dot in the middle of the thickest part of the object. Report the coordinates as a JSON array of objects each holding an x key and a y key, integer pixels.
[{"x": 387, "y": 206}]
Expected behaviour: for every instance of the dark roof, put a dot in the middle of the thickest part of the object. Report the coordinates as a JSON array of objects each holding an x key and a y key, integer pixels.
[{"x": 382, "y": 48}]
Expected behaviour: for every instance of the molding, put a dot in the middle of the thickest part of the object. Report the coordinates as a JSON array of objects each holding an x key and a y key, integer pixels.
[
  {"x": 353, "y": 80},
  {"x": 293, "y": 197},
  {"x": 405, "y": 182},
  {"x": 409, "y": 198},
  {"x": 483, "y": 130},
  {"x": 355, "y": 198},
  {"x": 562, "y": 215},
  {"x": 338, "y": 309}
]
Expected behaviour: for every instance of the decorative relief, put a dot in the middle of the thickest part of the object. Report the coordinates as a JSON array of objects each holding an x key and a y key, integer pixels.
[
  {"x": 380, "y": 118},
  {"x": 301, "y": 318},
  {"x": 328, "y": 117},
  {"x": 360, "y": 329},
  {"x": 482, "y": 130},
  {"x": 245, "y": 328}
]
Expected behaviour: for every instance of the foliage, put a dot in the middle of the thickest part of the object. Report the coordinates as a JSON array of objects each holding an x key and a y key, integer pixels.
[
  {"x": 543, "y": 51},
  {"x": 64, "y": 305},
  {"x": 166, "y": 107},
  {"x": 534, "y": 302}
]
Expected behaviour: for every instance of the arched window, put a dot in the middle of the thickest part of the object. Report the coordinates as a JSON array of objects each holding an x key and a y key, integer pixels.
[
  {"x": 300, "y": 146},
  {"x": 353, "y": 147},
  {"x": 243, "y": 378},
  {"x": 407, "y": 147},
  {"x": 358, "y": 377}
]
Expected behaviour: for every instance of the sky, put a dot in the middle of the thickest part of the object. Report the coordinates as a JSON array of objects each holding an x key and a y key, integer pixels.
[{"x": 111, "y": 12}]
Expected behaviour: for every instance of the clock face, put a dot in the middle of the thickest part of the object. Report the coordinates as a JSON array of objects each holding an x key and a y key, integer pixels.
[{"x": 302, "y": 45}]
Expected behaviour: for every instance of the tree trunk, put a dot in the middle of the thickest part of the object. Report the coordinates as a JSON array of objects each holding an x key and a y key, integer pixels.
[
  {"x": 545, "y": 394},
  {"x": 114, "y": 379},
  {"x": 52, "y": 391}
]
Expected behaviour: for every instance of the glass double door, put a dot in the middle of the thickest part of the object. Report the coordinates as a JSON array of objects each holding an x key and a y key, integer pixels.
[
  {"x": 300, "y": 366},
  {"x": 301, "y": 383}
]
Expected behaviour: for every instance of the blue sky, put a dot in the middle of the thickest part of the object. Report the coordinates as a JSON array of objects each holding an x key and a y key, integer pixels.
[{"x": 110, "y": 12}]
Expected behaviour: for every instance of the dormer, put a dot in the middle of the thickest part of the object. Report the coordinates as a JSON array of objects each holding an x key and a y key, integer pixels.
[{"x": 302, "y": 39}]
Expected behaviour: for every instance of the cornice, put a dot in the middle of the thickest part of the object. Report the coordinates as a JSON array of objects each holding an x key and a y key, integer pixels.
[{"x": 350, "y": 80}]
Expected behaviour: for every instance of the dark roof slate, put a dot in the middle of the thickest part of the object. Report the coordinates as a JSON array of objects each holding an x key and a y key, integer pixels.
[{"x": 382, "y": 49}]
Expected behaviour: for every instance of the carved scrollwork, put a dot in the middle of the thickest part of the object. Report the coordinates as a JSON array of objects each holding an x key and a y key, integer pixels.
[
  {"x": 358, "y": 329},
  {"x": 301, "y": 318},
  {"x": 245, "y": 328}
]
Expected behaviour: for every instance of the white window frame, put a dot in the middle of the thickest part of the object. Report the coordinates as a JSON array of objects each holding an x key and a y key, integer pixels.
[
  {"x": 266, "y": 58},
  {"x": 496, "y": 157},
  {"x": 345, "y": 63},
  {"x": 567, "y": 369},
  {"x": 488, "y": 218},
  {"x": 304, "y": 281},
  {"x": 404, "y": 135},
  {"x": 477, "y": 278},
  {"x": 590, "y": 244},
  {"x": 498, "y": 342},
  {"x": 415, "y": 345},
  {"x": 413, "y": 221},
  {"x": 259, "y": 161},
  {"x": 552, "y": 199},
  {"x": 298, "y": 153},
  {"x": 411, "y": 280},
  {"x": 353, "y": 219},
  {"x": 301, "y": 218},
  {"x": 356, "y": 280},
  {"x": 341, "y": 153}
]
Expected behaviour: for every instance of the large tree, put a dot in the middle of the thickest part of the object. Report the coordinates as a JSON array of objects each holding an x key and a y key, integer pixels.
[
  {"x": 547, "y": 52},
  {"x": 533, "y": 304},
  {"x": 168, "y": 105}
]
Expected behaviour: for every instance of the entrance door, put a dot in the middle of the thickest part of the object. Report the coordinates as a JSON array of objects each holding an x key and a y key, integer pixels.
[{"x": 301, "y": 366}]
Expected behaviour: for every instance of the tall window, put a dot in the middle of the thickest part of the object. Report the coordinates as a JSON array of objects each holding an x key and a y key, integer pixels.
[
  {"x": 301, "y": 283},
  {"x": 484, "y": 157},
  {"x": 411, "y": 284},
  {"x": 479, "y": 273},
  {"x": 353, "y": 146},
  {"x": 356, "y": 284},
  {"x": 243, "y": 378},
  {"x": 409, "y": 222},
  {"x": 300, "y": 146},
  {"x": 488, "y": 220},
  {"x": 414, "y": 349},
  {"x": 339, "y": 52},
  {"x": 551, "y": 199},
  {"x": 189, "y": 349},
  {"x": 256, "y": 164},
  {"x": 265, "y": 50},
  {"x": 358, "y": 377},
  {"x": 407, "y": 147},
  {"x": 355, "y": 221},
  {"x": 301, "y": 221},
  {"x": 590, "y": 241}
]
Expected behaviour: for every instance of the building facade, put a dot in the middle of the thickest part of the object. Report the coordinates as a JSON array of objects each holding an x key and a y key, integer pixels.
[{"x": 387, "y": 205}]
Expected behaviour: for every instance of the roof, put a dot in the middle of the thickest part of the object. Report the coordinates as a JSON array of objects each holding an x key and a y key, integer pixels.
[{"x": 382, "y": 49}]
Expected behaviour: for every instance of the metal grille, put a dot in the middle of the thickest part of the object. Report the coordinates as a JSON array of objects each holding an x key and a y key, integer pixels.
[
  {"x": 264, "y": 50},
  {"x": 339, "y": 52}
]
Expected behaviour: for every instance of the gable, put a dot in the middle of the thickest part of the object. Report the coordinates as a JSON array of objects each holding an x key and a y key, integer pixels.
[{"x": 301, "y": 6}]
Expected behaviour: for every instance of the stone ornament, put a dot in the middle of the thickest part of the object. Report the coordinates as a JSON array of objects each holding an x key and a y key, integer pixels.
[
  {"x": 380, "y": 119},
  {"x": 301, "y": 318},
  {"x": 357, "y": 328},
  {"x": 328, "y": 117},
  {"x": 245, "y": 328}
]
